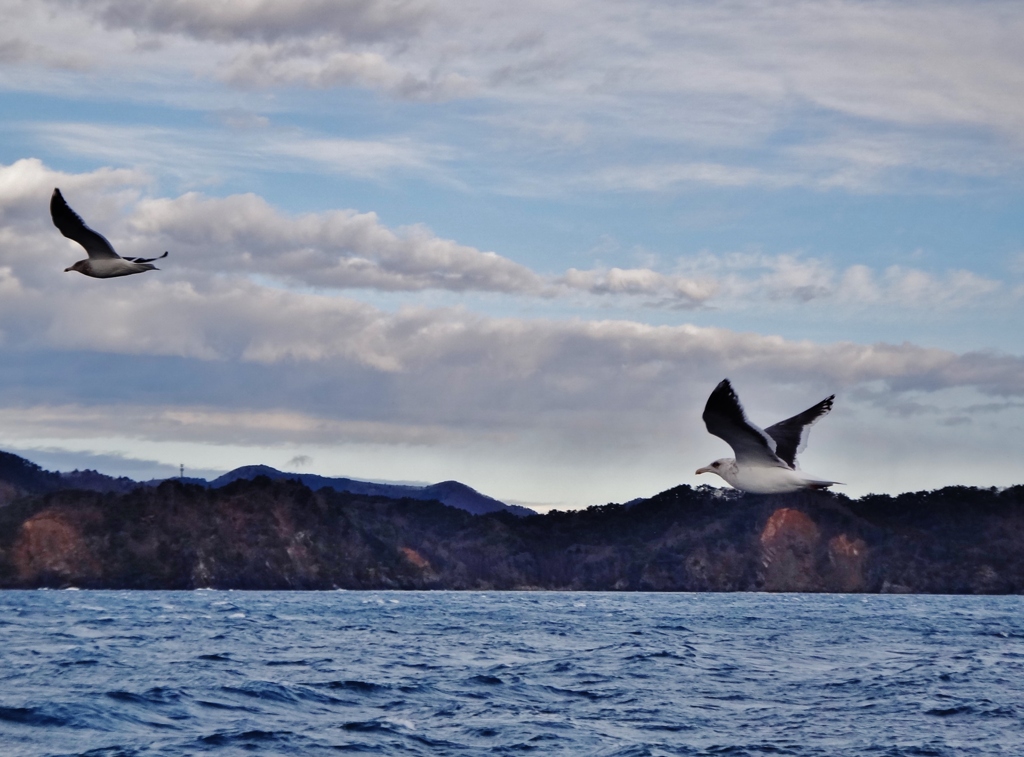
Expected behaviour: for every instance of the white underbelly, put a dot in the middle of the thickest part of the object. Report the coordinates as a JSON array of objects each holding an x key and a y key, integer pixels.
[
  {"x": 767, "y": 480},
  {"x": 108, "y": 268}
]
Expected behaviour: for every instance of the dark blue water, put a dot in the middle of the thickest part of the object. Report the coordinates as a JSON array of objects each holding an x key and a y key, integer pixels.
[{"x": 439, "y": 673}]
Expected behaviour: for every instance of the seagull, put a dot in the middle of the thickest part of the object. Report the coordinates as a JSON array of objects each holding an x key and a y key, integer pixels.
[
  {"x": 765, "y": 460},
  {"x": 103, "y": 262}
]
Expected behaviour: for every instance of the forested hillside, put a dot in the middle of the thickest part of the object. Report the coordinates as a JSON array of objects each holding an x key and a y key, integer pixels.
[{"x": 266, "y": 534}]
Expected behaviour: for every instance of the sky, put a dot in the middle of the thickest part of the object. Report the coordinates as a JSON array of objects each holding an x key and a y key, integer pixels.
[{"x": 515, "y": 244}]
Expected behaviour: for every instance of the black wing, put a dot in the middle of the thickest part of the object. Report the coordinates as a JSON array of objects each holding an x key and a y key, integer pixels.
[
  {"x": 724, "y": 417},
  {"x": 73, "y": 227},
  {"x": 791, "y": 434},
  {"x": 147, "y": 260}
]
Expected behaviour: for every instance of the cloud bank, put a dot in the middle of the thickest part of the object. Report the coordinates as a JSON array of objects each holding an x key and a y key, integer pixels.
[
  {"x": 886, "y": 94},
  {"x": 352, "y": 250},
  {"x": 255, "y": 333}
]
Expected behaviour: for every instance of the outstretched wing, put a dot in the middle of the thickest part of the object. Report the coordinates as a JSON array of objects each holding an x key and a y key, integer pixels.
[
  {"x": 73, "y": 227},
  {"x": 791, "y": 434},
  {"x": 146, "y": 260},
  {"x": 724, "y": 417}
]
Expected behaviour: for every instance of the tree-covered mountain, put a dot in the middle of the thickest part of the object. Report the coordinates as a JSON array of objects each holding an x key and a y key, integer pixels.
[
  {"x": 20, "y": 477},
  {"x": 450, "y": 493},
  {"x": 265, "y": 534}
]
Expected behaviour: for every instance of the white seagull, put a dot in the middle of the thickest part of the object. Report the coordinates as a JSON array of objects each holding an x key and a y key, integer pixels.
[
  {"x": 765, "y": 460},
  {"x": 103, "y": 262}
]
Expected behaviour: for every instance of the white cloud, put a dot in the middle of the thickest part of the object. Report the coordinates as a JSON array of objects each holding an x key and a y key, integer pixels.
[
  {"x": 752, "y": 278},
  {"x": 347, "y": 249},
  {"x": 25, "y": 181},
  {"x": 859, "y": 96},
  {"x": 661, "y": 177},
  {"x": 205, "y": 156},
  {"x": 322, "y": 65},
  {"x": 241, "y": 119},
  {"x": 208, "y": 425},
  {"x": 921, "y": 288},
  {"x": 914, "y": 64},
  {"x": 339, "y": 249},
  {"x": 199, "y": 355},
  {"x": 260, "y": 20},
  {"x": 21, "y": 48},
  {"x": 667, "y": 290},
  {"x": 238, "y": 320},
  {"x": 791, "y": 278},
  {"x": 845, "y": 160},
  {"x": 15, "y": 50},
  {"x": 361, "y": 158},
  {"x": 914, "y": 288},
  {"x": 236, "y": 364}
]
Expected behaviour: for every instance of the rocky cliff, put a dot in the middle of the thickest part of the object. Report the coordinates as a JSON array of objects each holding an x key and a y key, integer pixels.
[{"x": 266, "y": 534}]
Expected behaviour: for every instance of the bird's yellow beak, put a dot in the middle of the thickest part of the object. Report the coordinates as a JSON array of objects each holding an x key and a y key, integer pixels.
[{"x": 704, "y": 470}]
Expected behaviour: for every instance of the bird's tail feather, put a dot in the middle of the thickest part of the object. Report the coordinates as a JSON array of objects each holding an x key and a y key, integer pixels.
[{"x": 819, "y": 485}]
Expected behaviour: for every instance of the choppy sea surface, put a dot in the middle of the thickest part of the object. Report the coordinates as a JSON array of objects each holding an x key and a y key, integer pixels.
[{"x": 449, "y": 673}]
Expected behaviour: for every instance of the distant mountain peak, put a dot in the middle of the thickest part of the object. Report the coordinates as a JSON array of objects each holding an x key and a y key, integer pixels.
[
  {"x": 19, "y": 477},
  {"x": 451, "y": 493}
]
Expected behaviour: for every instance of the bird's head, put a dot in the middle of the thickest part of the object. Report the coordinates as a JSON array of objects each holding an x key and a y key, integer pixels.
[
  {"x": 716, "y": 467},
  {"x": 80, "y": 266}
]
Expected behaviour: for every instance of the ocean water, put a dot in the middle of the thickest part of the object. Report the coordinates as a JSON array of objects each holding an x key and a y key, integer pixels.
[{"x": 447, "y": 673}]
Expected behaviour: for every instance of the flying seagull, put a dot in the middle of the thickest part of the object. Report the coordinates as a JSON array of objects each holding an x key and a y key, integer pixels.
[
  {"x": 765, "y": 460},
  {"x": 103, "y": 262}
]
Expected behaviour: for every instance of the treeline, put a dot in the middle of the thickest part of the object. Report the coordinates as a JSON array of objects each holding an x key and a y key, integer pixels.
[{"x": 265, "y": 534}]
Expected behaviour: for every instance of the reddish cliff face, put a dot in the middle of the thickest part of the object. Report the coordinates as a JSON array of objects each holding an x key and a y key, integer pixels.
[
  {"x": 789, "y": 545},
  {"x": 848, "y": 558},
  {"x": 51, "y": 546},
  {"x": 793, "y": 556},
  {"x": 268, "y": 534},
  {"x": 415, "y": 558}
]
